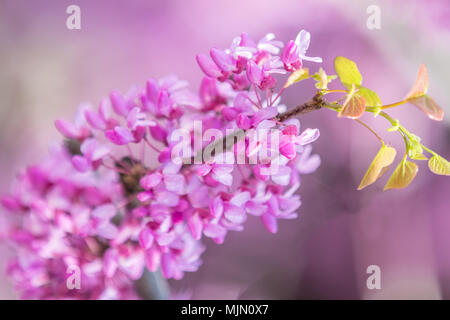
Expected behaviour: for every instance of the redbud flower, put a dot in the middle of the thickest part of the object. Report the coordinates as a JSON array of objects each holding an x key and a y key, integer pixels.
[
  {"x": 295, "y": 52},
  {"x": 115, "y": 200}
]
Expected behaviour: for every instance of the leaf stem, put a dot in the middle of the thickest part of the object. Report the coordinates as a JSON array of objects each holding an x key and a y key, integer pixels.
[
  {"x": 387, "y": 106},
  {"x": 335, "y": 91},
  {"x": 429, "y": 150},
  {"x": 371, "y": 130}
]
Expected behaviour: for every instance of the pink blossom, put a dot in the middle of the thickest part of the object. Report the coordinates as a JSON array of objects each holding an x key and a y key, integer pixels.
[
  {"x": 295, "y": 52},
  {"x": 101, "y": 202}
]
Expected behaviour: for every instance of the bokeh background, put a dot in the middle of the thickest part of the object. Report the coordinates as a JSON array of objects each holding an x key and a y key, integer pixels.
[{"x": 46, "y": 70}]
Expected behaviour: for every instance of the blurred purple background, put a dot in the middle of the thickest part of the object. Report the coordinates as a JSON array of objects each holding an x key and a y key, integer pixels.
[{"x": 46, "y": 70}]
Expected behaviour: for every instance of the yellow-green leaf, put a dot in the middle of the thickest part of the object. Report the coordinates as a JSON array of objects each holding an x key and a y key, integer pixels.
[
  {"x": 439, "y": 165},
  {"x": 297, "y": 76},
  {"x": 379, "y": 165},
  {"x": 354, "y": 106},
  {"x": 429, "y": 106},
  {"x": 323, "y": 79},
  {"x": 418, "y": 156},
  {"x": 371, "y": 97},
  {"x": 347, "y": 72},
  {"x": 405, "y": 172},
  {"x": 420, "y": 87},
  {"x": 415, "y": 150}
]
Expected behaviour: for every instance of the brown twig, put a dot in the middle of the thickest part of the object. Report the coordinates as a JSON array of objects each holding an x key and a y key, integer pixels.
[{"x": 316, "y": 103}]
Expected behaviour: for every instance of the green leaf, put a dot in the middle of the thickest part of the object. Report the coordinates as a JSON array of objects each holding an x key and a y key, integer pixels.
[
  {"x": 379, "y": 165},
  {"x": 402, "y": 176},
  {"x": 296, "y": 76},
  {"x": 323, "y": 79},
  {"x": 415, "y": 150},
  {"x": 418, "y": 156},
  {"x": 371, "y": 97},
  {"x": 439, "y": 165},
  {"x": 347, "y": 72}
]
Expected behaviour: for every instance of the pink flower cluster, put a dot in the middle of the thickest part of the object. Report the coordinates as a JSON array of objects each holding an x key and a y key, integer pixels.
[
  {"x": 63, "y": 218},
  {"x": 112, "y": 201}
]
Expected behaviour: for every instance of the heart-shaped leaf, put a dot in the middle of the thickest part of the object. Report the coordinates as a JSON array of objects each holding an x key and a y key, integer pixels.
[
  {"x": 354, "y": 106},
  {"x": 347, "y": 72},
  {"x": 420, "y": 87},
  {"x": 403, "y": 175},
  {"x": 429, "y": 106},
  {"x": 371, "y": 97},
  {"x": 439, "y": 165},
  {"x": 379, "y": 165}
]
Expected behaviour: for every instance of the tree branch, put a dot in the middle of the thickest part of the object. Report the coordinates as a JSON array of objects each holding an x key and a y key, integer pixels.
[
  {"x": 152, "y": 286},
  {"x": 315, "y": 103}
]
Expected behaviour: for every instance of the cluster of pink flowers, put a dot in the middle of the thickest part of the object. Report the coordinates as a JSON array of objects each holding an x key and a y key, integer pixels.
[
  {"x": 112, "y": 201},
  {"x": 63, "y": 218}
]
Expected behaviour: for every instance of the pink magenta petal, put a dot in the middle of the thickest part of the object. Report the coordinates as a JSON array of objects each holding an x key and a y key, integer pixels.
[
  {"x": 270, "y": 222},
  {"x": 10, "y": 203},
  {"x": 308, "y": 136},
  {"x": 229, "y": 113},
  {"x": 255, "y": 208},
  {"x": 264, "y": 114},
  {"x": 208, "y": 66},
  {"x": 118, "y": 103},
  {"x": 217, "y": 207},
  {"x": 167, "y": 265},
  {"x": 164, "y": 103},
  {"x": 88, "y": 146},
  {"x": 240, "y": 199},
  {"x": 158, "y": 133},
  {"x": 195, "y": 226},
  {"x": 100, "y": 152},
  {"x": 235, "y": 214},
  {"x": 223, "y": 60},
  {"x": 203, "y": 170},
  {"x": 110, "y": 262},
  {"x": 120, "y": 135},
  {"x": 175, "y": 183},
  {"x": 243, "y": 121},
  {"x": 167, "y": 198},
  {"x": 254, "y": 73},
  {"x": 80, "y": 163},
  {"x": 214, "y": 231},
  {"x": 223, "y": 177},
  {"x": 288, "y": 150},
  {"x": 94, "y": 119},
  {"x": 152, "y": 259},
  {"x": 165, "y": 239},
  {"x": 282, "y": 176},
  {"x": 309, "y": 165},
  {"x": 67, "y": 129},
  {"x": 290, "y": 130},
  {"x": 146, "y": 238},
  {"x": 290, "y": 53},
  {"x": 106, "y": 212},
  {"x": 151, "y": 180},
  {"x": 144, "y": 196},
  {"x": 107, "y": 231},
  {"x": 152, "y": 90}
]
